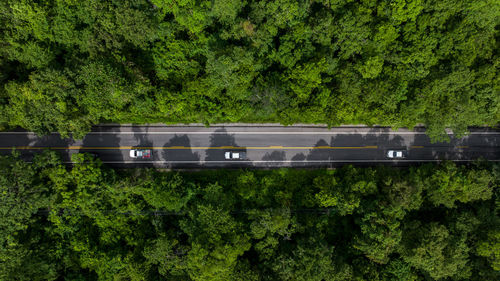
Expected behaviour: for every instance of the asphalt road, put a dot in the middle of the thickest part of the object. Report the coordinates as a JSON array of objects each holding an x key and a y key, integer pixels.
[{"x": 274, "y": 146}]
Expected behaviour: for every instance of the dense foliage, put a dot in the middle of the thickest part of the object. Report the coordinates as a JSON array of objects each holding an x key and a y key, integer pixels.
[
  {"x": 67, "y": 64},
  {"x": 89, "y": 222}
]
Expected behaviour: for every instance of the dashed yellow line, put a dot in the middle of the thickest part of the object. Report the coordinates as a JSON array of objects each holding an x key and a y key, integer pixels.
[{"x": 459, "y": 146}]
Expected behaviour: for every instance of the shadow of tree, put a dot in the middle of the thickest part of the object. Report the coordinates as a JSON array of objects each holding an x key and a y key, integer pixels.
[
  {"x": 298, "y": 160},
  {"x": 277, "y": 155},
  {"x": 18, "y": 140},
  {"x": 103, "y": 140},
  {"x": 185, "y": 154}
]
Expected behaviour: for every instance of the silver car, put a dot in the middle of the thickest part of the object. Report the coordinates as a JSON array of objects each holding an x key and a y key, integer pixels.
[
  {"x": 394, "y": 154},
  {"x": 230, "y": 155}
]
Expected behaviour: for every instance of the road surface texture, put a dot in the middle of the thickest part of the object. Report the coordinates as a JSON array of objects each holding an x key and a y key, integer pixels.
[{"x": 272, "y": 146}]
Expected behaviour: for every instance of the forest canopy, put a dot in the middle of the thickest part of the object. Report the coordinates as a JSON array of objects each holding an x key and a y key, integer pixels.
[
  {"x": 65, "y": 65},
  {"x": 89, "y": 222}
]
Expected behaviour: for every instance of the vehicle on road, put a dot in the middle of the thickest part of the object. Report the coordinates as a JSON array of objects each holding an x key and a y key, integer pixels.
[
  {"x": 140, "y": 153},
  {"x": 235, "y": 155},
  {"x": 395, "y": 154}
]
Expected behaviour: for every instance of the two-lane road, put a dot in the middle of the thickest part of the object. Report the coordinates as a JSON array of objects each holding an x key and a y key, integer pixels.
[{"x": 272, "y": 146}]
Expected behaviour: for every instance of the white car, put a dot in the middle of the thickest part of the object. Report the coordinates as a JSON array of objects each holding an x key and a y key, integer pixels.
[
  {"x": 397, "y": 153},
  {"x": 229, "y": 155}
]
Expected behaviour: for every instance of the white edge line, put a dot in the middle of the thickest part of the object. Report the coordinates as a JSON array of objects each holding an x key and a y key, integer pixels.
[
  {"x": 280, "y": 161},
  {"x": 255, "y": 133}
]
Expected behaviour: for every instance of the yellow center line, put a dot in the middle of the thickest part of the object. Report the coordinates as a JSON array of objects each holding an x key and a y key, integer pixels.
[
  {"x": 77, "y": 147},
  {"x": 420, "y": 146}
]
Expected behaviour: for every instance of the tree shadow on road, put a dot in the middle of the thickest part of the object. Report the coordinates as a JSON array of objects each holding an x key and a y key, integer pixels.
[
  {"x": 19, "y": 140},
  {"x": 95, "y": 143},
  {"x": 277, "y": 155},
  {"x": 179, "y": 149}
]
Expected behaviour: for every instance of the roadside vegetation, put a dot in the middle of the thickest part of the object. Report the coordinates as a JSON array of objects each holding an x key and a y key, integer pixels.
[
  {"x": 65, "y": 65},
  {"x": 89, "y": 222}
]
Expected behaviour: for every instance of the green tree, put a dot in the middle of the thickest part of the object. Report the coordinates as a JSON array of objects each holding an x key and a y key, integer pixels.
[
  {"x": 434, "y": 250},
  {"x": 164, "y": 192},
  {"x": 345, "y": 190},
  {"x": 217, "y": 240},
  {"x": 381, "y": 217},
  {"x": 490, "y": 248},
  {"x": 169, "y": 255},
  {"x": 269, "y": 227},
  {"x": 451, "y": 183},
  {"x": 25, "y": 196},
  {"x": 45, "y": 104},
  {"x": 311, "y": 259}
]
